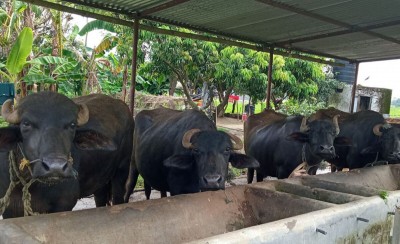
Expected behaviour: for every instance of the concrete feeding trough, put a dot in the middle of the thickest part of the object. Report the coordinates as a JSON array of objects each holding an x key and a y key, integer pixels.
[{"x": 346, "y": 207}]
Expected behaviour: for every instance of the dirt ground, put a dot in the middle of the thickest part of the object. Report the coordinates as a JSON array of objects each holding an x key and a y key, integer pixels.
[{"x": 231, "y": 125}]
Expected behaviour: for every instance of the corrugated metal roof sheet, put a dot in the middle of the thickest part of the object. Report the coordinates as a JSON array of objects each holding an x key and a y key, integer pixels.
[{"x": 330, "y": 28}]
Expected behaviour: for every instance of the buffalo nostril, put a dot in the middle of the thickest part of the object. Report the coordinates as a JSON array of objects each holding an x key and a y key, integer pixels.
[
  {"x": 45, "y": 166},
  {"x": 64, "y": 168}
]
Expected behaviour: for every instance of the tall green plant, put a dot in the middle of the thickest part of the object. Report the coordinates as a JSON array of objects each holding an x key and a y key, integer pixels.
[{"x": 17, "y": 58}]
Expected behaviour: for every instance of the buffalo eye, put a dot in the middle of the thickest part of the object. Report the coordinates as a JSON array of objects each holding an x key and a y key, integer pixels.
[
  {"x": 71, "y": 125},
  {"x": 26, "y": 124},
  {"x": 227, "y": 151},
  {"x": 195, "y": 150}
]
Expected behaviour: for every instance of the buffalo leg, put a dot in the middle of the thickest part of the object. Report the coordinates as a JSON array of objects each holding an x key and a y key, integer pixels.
[
  {"x": 118, "y": 186},
  {"x": 335, "y": 168},
  {"x": 259, "y": 176},
  {"x": 102, "y": 195},
  {"x": 147, "y": 190},
  {"x": 313, "y": 170},
  {"x": 163, "y": 194},
  {"x": 131, "y": 182},
  {"x": 250, "y": 175}
]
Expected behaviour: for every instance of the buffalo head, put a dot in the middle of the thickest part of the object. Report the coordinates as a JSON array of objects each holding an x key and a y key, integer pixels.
[
  {"x": 389, "y": 142},
  {"x": 320, "y": 135},
  {"x": 208, "y": 157},
  {"x": 45, "y": 127}
]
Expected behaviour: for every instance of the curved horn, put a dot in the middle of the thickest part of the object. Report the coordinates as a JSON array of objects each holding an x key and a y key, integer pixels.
[
  {"x": 8, "y": 113},
  {"x": 187, "y": 136},
  {"x": 336, "y": 123},
  {"x": 377, "y": 129},
  {"x": 237, "y": 142},
  {"x": 304, "y": 127},
  {"x": 83, "y": 115}
]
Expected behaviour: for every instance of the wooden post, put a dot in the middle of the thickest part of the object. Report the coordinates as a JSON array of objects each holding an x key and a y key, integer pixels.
[
  {"x": 271, "y": 61},
  {"x": 396, "y": 227},
  {"x": 134, "y": 65},
  {"x": 353, "y": 91}
]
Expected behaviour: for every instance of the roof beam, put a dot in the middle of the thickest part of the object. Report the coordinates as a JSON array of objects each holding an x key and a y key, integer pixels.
[
  {"x": 343, "y": 32},
  {"x": 114, "y": 20},
  {"x": 161, "y": 7},
  {"x": 109, "y": 8},
  {"x": 261, "y": 43},
  {"x": 323, "y": 18}
]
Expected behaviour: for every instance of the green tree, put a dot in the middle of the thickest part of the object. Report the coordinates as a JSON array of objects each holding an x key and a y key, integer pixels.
[{"x": 192, "y": 62}]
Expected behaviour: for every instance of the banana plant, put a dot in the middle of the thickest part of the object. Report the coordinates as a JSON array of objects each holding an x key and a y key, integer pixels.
[{"x": 17, "y": 58}]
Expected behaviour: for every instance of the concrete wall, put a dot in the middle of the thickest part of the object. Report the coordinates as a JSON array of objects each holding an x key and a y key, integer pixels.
[
  {"x": 344, "y": 207},
  {"x": 342, "y": 100},
  {"x": 343, "y": 224},
  {"x": 380, "y": 99}
]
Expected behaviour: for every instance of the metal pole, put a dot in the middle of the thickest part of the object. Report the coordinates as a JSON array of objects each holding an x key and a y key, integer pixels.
[
  {"x": 353, "y": 91},
  {"x": 134, "y": 66},
  {"x": 271, "y": 60}
]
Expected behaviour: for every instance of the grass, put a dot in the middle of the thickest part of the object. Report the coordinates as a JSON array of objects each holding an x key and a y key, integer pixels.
[
  {"x": 394, "y": 112},
  {"x": 238, "y": 108}
]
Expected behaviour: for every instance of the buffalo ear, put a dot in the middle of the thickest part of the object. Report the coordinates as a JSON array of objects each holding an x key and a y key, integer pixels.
[
  {"x": 9, "y": 136},
  {"x": 298, "y": 136},
  {"x": 242, "y": 161},
  {"x": 183, "y": 162},
  {"x": 342, "y": 141},
  {"x": 92, "y": 140}
]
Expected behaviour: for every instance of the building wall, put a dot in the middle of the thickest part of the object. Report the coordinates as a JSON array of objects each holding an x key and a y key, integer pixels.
[
  {"x": 341, "y": 100},
  {"x": 379, "y": 99}
]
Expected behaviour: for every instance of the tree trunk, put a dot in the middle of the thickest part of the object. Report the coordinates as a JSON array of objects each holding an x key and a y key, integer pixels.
[
  {"x": 188, "y": 97},
  {"x": 233, "y": 106},
  {"x": 224, "y": 102},
  {"x": 173, "y": 81},
  {"x": 56, "y": 42},
  {"x": 124, "y": 82}
]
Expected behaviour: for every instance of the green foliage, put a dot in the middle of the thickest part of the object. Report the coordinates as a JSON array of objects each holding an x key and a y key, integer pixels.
[
  {"x": 96, "y": 25},
  {"x": 297, "y": 79},
  {"x": 384, "y": 195},
  {"x": 139, "y": 183},
  {"x": 306, "y": 108},
  {"x": 234, "y": 173},
  {"x": 19, "y": 52},
  {"x": 326, "y": 88},
  {"x": 3, "y": 123}
]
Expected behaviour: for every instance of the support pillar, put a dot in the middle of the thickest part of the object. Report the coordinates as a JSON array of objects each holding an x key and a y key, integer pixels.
[
  {"x": 271, "y": 61},
  {"x": 353, "y": 91},
  {"x": 134, "y": 65}
]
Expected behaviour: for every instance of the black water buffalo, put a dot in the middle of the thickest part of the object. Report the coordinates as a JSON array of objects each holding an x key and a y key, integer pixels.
[
  {"x": 372, "y": 139},
  {"x": 182, "y": 152},
  {"x": 281, "y": 143},
  {"x": 73, "y": 148}
]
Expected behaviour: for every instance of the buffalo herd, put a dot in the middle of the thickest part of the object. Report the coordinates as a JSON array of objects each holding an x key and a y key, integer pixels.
[{"x": 61, "y": 149}]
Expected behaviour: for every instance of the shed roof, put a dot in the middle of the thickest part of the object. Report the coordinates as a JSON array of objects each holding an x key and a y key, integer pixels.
[{"x": 351, "y": 30}]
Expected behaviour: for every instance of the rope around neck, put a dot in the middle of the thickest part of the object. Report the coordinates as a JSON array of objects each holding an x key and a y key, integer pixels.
[{"x": 15, "y": 179}]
